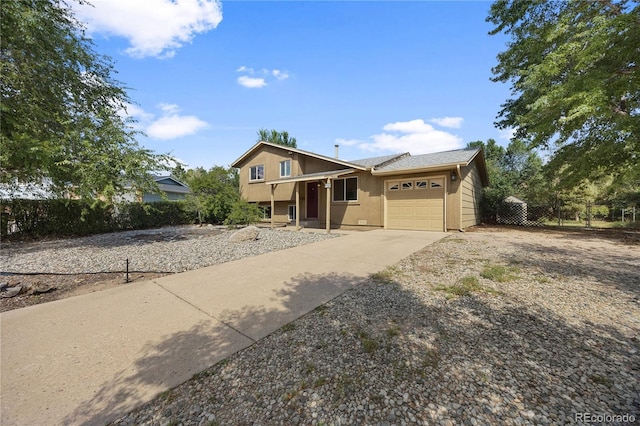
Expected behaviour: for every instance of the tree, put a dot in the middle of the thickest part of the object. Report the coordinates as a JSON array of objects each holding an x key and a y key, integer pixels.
[
  {"x": 516, "y": 170},
  {"x": 62, "y": 110},
  {"x": 213, "y": 192},
  {"x": 573, "y": 70},
  {"x": 280, "y": 138}
]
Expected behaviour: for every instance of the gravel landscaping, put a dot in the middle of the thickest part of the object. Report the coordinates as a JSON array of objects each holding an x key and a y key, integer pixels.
[
  {"x": 79, "y": 265},
  {"x": 495, "y": 326},
  {"x": 488, "y": 327}
]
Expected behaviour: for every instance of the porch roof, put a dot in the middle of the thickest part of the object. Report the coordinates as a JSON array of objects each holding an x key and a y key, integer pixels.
[{"x": 329, "y": 174}]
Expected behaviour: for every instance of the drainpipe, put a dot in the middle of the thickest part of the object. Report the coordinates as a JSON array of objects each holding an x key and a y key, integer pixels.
[{"x": 328, "y": 214}]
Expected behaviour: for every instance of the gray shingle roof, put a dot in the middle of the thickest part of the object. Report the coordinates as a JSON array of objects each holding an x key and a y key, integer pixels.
[
  {"x": 460, "y": 156},
  {"x": 374, "y": 161}
]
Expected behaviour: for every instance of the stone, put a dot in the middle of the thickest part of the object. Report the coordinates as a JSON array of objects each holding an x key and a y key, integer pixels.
[
  {"x": 40, "y": 288},
  {"x": 11, "y": 291},
  {"x": 249, "y": 233}
]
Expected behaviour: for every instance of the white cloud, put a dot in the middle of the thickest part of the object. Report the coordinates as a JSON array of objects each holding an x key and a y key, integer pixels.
[
  {"x": 452, "y": 122},
  {"x": 280, "y": 75},
  {"x": 175, "y": 126},
  {"x": 170, "y": 125},
  {"x": 134, "y": 111},
  {"x": 153, "y": 27},
  {"x": 256, "y": 79},
  {"x": 168, "y": 108},
  {"x": 507, "y": 133},
  {"x": 251, "y": 82},
  {"x": 414, "y": 136}
]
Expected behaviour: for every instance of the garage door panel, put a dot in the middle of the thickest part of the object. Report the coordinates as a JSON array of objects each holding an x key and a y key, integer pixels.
[{"x": 417, "y": 209}]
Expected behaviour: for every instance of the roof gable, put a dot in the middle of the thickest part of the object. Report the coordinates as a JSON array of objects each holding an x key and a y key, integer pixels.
[
  {"x": 261, "y": 144},
  {"x": 168, "y": 180}
]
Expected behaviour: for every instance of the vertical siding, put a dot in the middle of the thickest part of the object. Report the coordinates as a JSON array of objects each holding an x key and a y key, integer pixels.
[{"x": 471, "y": 195}]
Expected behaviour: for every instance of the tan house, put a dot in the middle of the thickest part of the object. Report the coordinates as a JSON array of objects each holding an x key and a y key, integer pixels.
[{"x": 435, "y": 192}]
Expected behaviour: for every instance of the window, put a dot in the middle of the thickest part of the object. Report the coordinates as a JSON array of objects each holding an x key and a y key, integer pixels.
[
  {"x": 345, "y": 189},
  {"x": 394, "y": 186},
  {"x": 437, "y": 183},
  {"x": 407, "y": 185},
  {"x": 421, "y": 184},
  {"x": 292, "y": 212},
  {"x": 256, "y": 172},
  {"x": 285, "y": 168}
]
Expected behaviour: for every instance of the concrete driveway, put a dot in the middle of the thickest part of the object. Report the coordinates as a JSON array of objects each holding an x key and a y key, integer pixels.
[{"x": 91, "y": 358}]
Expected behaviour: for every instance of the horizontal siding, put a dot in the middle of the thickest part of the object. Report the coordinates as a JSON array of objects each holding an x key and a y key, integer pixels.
[{"x": 471, "y": 188}]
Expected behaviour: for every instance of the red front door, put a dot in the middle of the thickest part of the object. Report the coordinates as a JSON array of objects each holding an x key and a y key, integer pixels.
[{"x": 312, "y": 200}]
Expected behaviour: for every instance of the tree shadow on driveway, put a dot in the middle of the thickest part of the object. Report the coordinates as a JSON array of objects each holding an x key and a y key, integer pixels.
[
  {"x": 396, "y": 352},
  {"x": 162, "y": 365}
]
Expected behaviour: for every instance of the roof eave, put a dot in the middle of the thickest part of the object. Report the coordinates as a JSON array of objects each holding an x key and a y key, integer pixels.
[
  {"x": 437, "y": 168},
  {"x": 298, "y": 151}
]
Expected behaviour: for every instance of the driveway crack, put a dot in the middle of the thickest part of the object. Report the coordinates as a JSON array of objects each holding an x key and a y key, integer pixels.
[{"x": 204, "y": 312}]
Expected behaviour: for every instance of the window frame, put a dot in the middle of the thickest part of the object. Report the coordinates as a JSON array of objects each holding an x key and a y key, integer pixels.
[
  {"x": 251, "y": 174},
  {"x": 344, "y": 190},
  {"x": 291, "y": 212},
  {"x": 287, "y": 164}
]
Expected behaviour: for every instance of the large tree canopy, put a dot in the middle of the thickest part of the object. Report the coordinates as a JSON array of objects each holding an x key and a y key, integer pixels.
[
  {"x": 573, "y": 70},
  {"x": 274, "y": 136},
  {"x": 62, "y": 110}
]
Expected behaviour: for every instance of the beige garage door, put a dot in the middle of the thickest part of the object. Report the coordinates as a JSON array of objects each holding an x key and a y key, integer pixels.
[{"x": 415, "y": 204}]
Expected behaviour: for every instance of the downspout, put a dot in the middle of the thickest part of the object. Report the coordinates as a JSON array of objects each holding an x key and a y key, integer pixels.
[
  {"x": 460, "y": 227},
  {"x": 328, "y": 214}
]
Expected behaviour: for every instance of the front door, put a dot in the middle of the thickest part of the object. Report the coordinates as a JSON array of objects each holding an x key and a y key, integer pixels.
[{"x": 312, "y": 200}]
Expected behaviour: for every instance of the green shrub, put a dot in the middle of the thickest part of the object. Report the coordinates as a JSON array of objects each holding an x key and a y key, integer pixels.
[
  {"x": 243, "y": 213},
  {"x": 58, "y": 217}
]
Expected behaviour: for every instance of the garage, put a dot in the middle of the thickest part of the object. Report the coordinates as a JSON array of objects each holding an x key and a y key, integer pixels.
[{"x": 415, "y": 204}]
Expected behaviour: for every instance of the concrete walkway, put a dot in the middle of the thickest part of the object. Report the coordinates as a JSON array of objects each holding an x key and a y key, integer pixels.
[{"x": 91, "y": 358}]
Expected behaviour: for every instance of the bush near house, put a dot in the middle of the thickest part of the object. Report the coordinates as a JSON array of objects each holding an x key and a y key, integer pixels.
[{"x": 49, "y": 218}]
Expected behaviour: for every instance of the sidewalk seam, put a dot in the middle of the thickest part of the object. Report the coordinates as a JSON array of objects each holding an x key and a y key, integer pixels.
[{"x": 204, "y": 312}]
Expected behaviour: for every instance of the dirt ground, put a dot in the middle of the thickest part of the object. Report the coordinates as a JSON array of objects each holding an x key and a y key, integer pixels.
[{"x": 64, "y": 286}]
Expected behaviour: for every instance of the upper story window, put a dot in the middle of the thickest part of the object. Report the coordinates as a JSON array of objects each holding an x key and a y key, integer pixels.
[
  {"x": 345, "y": 189},
  {"x": 256, "y": 173},
  {"x": 285, "y": 168}
]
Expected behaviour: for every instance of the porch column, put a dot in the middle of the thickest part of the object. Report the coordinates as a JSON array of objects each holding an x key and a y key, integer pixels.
[
  {"x": 273, "y": 204},
  {"x": 297, "y": 206},
  {"x": 328, "y": 187}
]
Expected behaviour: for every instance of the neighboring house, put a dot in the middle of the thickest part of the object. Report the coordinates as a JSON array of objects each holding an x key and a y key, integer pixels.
[
  {"x": 434, "y": 192},
  {"x": 173, "y": 189}
]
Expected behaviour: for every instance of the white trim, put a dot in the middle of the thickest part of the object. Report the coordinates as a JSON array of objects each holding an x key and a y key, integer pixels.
[
  {"x": 281, "y": 164},
  {"x": 257, "y": 179},
  {"x": 296, "y": 150},
  {"x": 333, "y": 193}
]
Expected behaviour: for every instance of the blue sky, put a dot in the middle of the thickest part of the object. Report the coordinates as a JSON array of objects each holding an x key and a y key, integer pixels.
[{"x": 374, "y": 77}]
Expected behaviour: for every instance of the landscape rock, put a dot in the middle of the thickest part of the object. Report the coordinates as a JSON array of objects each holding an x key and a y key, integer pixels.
[
  {"x": 11, "y": 291},
  {"x": 409, "y": 349},
  {"x": 40, "y": 288},
  {"x": 249, "y": 233}
]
